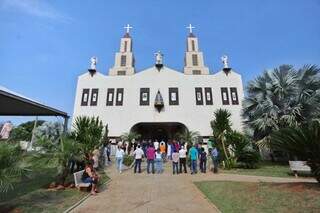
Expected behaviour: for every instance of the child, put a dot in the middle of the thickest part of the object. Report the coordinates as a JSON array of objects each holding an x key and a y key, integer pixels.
[
  {"x": 175, "y": 161},
  {"x": 203, "y": 161}
]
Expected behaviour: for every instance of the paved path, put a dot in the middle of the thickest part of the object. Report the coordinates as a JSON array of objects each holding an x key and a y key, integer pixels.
[{"x": 143, "y": 193}]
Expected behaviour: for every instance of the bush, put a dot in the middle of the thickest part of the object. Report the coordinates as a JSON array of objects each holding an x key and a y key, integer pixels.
[
  {"x": 128, "y": 160},
  {"x": 244, "y": 153},
  {"x": 249, "y": 159},
  {"x": 302, "y": 142}
]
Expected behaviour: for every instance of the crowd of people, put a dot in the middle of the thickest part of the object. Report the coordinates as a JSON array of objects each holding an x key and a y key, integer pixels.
[{"x": 179, "y": 154}]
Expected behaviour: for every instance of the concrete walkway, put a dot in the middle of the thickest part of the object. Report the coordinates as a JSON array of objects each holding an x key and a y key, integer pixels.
[{"x": 143, "y": 193}]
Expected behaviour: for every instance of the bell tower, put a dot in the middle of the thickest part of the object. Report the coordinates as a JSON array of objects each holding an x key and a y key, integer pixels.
[
  {"x": 124, "y": 59},
  {"x": 193, "y": 61}
]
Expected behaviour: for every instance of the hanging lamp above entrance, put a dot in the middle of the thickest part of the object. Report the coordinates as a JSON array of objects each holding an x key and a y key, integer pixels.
[{"x": 158, "y": 102}]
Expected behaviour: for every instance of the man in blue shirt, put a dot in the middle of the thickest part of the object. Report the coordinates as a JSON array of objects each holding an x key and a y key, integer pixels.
[
  {"x": 215, "y": 159},
  {"x": 193, "y": 155}
]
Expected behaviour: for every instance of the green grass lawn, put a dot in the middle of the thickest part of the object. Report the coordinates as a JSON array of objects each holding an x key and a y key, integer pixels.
[
  {"x": 265, "y": 169},
  {"x": 262, "y": 197},
  {"x": 32, "y": 195}
]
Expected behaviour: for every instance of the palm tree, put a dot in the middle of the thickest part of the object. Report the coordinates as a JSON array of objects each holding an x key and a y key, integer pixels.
[
  {"x": 189, "y": 137},
  {"x": 282, "y": 97},
  {"x": 130, "y": 137},
  {"x": 59, "y": 153},
  {"x": 88, "y": 132},
  {"x": 12, "y": 166},
  {"x": 221, "y": 125},
  {"x": 302, "y": 142}
]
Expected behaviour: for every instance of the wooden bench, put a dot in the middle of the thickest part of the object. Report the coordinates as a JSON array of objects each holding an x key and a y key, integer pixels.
[
  {"x": 78, "y": 182},
  {"x": 299, "y": 166}
]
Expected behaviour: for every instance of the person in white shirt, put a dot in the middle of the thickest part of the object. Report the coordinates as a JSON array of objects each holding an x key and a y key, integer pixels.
[
  {"x": 156, "y": 145},
  {"x": 183, "y": 159},
  {"x": 138, "y": 155},
  {"x": 169, "y": 150},
  {"x": 119, "y": 158}
]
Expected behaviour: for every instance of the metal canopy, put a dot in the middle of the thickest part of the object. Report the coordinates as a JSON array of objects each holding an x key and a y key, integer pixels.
[{"x": 14, "y": 104}]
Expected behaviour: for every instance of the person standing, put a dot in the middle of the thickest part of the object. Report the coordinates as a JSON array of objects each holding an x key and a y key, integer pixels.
[
  {"x": 193, "y": 155},
  {"x": 107, "y": 151},
  {"x": 95, "y": 158},
  {"x": 159, "y": 166},
  {"x": 169, "y": 150},
  {"x": 163, "y": 148},
  {"x": 183, "y": 159},
  {"x": 156, "y": 145},
  {"x": 119, "y": 158},
  {"x": 175, "y": 162},
  {"x": 215, "y": 159},
  {"x": 150, "y": 158},
  {"x": 203, "y": 161},
  {"x": 138, "y": 154}
]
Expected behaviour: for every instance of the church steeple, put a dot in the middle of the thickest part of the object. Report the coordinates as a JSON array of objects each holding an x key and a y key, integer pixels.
[
  {"x": 124, "y": 59},
  {"x": 194, "y": 64}
]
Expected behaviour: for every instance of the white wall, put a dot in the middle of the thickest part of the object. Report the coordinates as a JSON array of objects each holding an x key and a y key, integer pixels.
[{"x": 196, "y": 117}]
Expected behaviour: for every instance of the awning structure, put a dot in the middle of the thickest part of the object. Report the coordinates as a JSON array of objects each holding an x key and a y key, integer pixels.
[{"x": 14, "y": 104}]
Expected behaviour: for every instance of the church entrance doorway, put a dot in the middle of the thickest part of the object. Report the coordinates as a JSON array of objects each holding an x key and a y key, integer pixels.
[{"x": 160, "y": 131}]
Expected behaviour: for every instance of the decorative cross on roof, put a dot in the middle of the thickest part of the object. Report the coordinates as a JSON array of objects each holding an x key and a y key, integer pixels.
[
  {"x": 190, "y": 27},
  {"x": 128, "y": 27}
]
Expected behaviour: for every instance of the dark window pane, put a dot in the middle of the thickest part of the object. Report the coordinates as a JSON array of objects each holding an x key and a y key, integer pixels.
[
  {"x": 125, "y": 46},
  {"x": 234, "y": 96},
  {"x": 123, "y": 61},
  {"x": 85, "y": 97},
  {"x": 110, "y": 94},
  {"x": 119, "y": 98},
  {"x": 193, "y": 46},
  {"x": 225, "y": 96},
  {"x": 94, "y": 97},
  {"x": 199, "y": 98},
  {"x": 121, "y": 72},
  {"x": 208, "y": 94},
  {"x": 173, "y": 96},
  {"x": 144, "y": 96},
  {"x": 195, "y": 59},
  {"x": 196, "y": 72}
]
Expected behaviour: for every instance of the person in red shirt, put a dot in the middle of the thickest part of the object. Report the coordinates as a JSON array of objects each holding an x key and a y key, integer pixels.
[{"x": 151, "y": 152}]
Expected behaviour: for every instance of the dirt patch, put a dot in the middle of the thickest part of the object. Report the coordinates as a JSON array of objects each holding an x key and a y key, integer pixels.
[
  {"x": 299, "y": 187},
  {"x": 8, "y": 208}
]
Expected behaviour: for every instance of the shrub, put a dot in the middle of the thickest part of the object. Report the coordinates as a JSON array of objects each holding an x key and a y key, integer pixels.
[
  {"x": 302, "y": 142},
  {"x": 128, "y": 160},
  {"x": 244, "y": 153}
]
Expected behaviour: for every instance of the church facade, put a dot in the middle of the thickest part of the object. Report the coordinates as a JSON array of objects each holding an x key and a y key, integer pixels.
[{"x": 159, "y": 102}]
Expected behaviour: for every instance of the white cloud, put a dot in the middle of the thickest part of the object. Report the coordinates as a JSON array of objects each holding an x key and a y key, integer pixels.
[{"x": 38, "y": 8}]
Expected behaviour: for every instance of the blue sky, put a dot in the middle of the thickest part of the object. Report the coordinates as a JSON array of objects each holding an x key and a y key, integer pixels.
[{"x": 45, "y": 45}]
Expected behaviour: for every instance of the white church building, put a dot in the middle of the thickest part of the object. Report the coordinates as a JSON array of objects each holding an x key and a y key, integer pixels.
[{"x": 159, "y": 102}]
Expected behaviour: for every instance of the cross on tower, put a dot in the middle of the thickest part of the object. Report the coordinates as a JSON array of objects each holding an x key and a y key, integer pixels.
[
  {"x": 190, "y": 27},
  {"x": 128, "y": 27}
]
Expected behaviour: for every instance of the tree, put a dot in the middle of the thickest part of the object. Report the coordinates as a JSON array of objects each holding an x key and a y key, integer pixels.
[
  {"x": 280, "y": 98},
  {"x": 59, "y": 153},
  {"x": 303, "y": 142},
  {"x": 12, "y": 166},
  {"x": 23, "y": 132},
  {"x": 129, "y": 137},
  {"x": 105, "y": 134},
  {"x": 221, "y": 125},
  {"x": 52, "y": 130},
  {"x": 189, "y": 137},
  {"x": 88, "y": 133}
]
